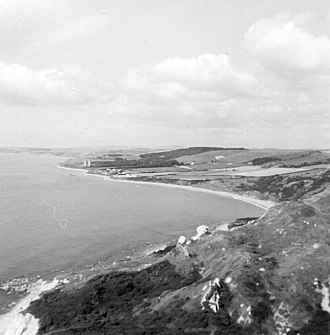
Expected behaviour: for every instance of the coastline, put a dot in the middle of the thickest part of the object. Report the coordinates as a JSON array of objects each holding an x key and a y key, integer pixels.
[
  {"x": 264, "y": 204},
  {"x": 16, "y": 322}
]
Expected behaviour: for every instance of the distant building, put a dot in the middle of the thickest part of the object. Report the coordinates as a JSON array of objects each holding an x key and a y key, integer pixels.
[{"x": 87, "y": 163}]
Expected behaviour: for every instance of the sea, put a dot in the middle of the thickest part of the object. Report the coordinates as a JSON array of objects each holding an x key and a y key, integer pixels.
[{"x": 53, "y": 219}]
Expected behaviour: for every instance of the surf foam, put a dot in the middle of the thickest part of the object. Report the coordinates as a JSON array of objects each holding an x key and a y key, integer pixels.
[{"x": 16, "y": 322}]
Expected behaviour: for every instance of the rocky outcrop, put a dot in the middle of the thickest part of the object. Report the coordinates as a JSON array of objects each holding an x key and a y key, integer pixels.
[{"x": 241, "y": 222}]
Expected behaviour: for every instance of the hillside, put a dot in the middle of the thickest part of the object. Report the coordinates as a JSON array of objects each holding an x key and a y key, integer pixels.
[
  {"x": 141, "y": 159},
  {"x": 269, "y": 277},
  {"x": 233, "y": 157},
  {"x": 191, "y": 151},
  {"x": 192, "y": 158},
  {"x": 287, "y": 187},
  {"x": 294, "y": 159}
]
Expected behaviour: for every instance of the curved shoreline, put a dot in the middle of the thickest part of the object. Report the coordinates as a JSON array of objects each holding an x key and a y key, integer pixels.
[
  {"x": 264, "y": 204},
  {"x": 16, "y": 323}
]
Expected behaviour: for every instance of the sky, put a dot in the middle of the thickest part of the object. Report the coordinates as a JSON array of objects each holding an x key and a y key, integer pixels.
[{"x": 229, "y": 73}]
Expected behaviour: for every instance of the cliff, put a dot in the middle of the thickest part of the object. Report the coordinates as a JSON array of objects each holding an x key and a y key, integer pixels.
[{"x": 267, "y": 277}]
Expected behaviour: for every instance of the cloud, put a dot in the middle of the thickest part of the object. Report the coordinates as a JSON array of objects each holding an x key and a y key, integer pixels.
[
  {"x": 203, "y": 90},
  {"x": 181, "y": 76},
  {"x": 282, "y": 43},
  {"x": 294, "y": 68},
  {"x": 22, "y": 85}
]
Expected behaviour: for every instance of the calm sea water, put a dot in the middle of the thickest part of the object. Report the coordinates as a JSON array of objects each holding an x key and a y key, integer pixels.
[{"x": 103, "y": 217}]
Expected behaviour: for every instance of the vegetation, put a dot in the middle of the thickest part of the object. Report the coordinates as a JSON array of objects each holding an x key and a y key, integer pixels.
[
  {"x": 183, "y": 152},
  {"x": 294, "y": 159},
  {"x": 287, "y": 187},
  {"x": 117, "y": 303},
  {"x": 263, "y": 160},
  {"x": 131, "y": 163},
  {"x": 297, "y": 165}
]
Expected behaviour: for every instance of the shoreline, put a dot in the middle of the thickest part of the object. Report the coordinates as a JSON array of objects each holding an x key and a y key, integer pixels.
[
  {"x": 264, "y": 204},
  {"x": 16, "y": 322}
]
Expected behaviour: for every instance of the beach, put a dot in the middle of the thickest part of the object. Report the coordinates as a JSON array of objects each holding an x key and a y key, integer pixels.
[{"x": 264, "y": 204}]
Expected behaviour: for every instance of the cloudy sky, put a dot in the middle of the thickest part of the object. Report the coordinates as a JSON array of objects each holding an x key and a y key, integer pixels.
[{"x": 252, "y": 73}]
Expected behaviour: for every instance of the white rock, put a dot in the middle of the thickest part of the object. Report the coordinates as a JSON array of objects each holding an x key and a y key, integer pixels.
[
  {"x": 216, "y": 282},
  {"x": 325, "y": 304},
  {"x": 240, "y": 319},
  {"x": 228, "y": 280},
  {"x": 201, "y": 230},
  {"x": 182, "y": 240}
]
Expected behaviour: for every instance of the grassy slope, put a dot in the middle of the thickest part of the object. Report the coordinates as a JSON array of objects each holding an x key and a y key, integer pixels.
[
  {"x": 236, "y": 157},
  {"x": 287, "y": 187},
  {"x": 203, "y": 157},
  {"x": 191, "y": 151},
  {"x": 272, "y": 265}
]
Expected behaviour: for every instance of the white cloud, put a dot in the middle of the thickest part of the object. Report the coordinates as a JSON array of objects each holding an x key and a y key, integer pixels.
[
  {"x": 22, "y": 85},
  {"x": 204, "y": 99},
  {"x": 206, "y": 73},
  {"x": 205, "y": 89},
  {"x": 283, "y": 44},
  {"x": 207, "y": 94},
  {"x": 181, "y": 76},
  {"x": 294, "y": 68}
]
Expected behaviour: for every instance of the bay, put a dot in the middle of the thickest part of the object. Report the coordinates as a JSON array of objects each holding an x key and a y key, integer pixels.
[{"x": 53, "y": 218}]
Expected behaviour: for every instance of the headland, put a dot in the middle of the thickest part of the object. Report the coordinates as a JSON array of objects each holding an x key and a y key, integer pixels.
[{"x": 266, "y": 275}]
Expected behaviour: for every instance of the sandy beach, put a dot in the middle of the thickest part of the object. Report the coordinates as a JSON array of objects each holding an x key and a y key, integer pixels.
[{"x": 264, "y": 204}]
